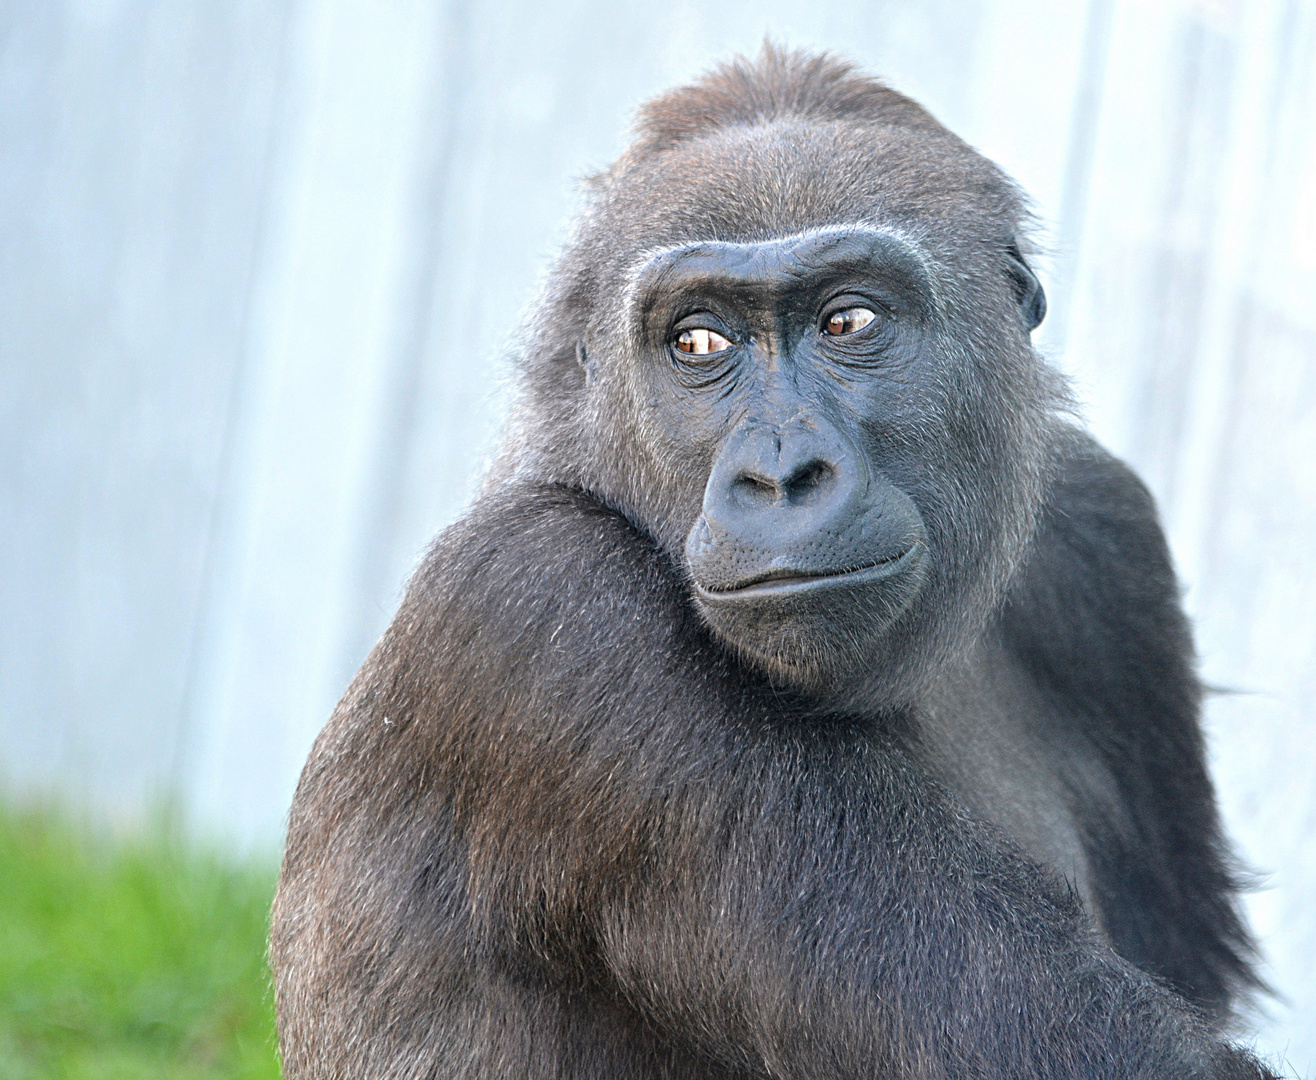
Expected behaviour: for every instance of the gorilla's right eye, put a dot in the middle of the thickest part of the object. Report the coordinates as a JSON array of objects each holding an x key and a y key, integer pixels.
[
  {"x": 849, "y": 321},
  {"x": 700, "y": 341}
]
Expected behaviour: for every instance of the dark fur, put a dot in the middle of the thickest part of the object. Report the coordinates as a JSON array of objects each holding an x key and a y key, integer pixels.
[{"x": 557, "y": 828}]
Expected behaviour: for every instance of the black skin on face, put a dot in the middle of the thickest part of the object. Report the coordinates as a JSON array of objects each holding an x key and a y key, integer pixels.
[
  {"x": 804, "y": 697},
  {"x": 795, "y": 351}
]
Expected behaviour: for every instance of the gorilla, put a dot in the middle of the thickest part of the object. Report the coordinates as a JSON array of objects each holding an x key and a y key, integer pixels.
[{"x": 805, "y": 695}]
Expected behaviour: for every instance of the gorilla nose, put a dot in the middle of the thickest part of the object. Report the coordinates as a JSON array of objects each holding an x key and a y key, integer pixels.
[
  {"x": 781, "y": 487},
  {"x": 797, "y": 510},
  {"x": 799, "y": 475}
]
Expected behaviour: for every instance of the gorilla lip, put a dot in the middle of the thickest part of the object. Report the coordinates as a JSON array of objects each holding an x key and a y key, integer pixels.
[{"x": 783, "y": 580}]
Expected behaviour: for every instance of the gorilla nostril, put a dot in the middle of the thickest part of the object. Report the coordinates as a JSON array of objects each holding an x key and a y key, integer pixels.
[
  {"x": 810, "y": 480},
  {"x": 801, "y": 485},
  {"x": 756, "y": 487}
]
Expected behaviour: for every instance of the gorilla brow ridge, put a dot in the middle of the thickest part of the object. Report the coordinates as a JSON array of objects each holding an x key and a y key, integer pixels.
[{"x": 632, "y": 274}]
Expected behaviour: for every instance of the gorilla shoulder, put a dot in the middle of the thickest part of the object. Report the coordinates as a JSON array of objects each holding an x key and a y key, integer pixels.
[{"x": 1095, "y": 618}]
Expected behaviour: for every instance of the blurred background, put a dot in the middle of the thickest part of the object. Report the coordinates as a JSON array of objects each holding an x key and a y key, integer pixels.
[{"x": 261, "y": 264}]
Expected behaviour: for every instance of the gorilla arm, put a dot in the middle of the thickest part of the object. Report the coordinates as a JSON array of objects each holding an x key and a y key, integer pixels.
[{"x": 550, "y": 779}]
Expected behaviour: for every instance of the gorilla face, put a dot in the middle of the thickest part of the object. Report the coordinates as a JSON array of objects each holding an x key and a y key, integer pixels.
[
  {"x": 812, "y": 385},
  {"x": 786, "y": 363}
]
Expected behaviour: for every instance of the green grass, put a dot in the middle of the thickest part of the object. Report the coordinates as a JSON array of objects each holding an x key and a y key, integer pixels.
[{"x": 136, "y": 958}]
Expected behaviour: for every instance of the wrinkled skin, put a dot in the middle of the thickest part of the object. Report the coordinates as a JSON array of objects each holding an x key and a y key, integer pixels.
[
  {"x": 803, "y": 697},
  {"x": 804, "y": 553}
]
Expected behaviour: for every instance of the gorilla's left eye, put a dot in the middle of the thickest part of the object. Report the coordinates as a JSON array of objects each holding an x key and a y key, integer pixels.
[
  {"x": 849, "y": 321},
  {"x": 700, "y": 341}
]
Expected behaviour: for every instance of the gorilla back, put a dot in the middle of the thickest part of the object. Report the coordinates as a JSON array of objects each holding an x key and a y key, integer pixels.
[{"x": 803, "y": 697}]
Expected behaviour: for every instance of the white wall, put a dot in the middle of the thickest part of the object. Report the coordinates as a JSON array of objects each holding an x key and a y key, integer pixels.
[{"x": 259, "y": 263}]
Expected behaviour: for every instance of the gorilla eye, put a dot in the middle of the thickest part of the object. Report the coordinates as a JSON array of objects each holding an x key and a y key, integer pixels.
[
  {"x": 701, "y": 342},
  {"x": 848, "y": 321}
]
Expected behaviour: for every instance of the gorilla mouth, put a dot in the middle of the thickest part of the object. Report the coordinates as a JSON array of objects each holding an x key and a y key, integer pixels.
[{"x": 783, "y": 580}]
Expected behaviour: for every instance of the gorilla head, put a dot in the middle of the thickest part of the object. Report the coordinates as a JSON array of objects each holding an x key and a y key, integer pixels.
[{"x": 790, "y": 339}]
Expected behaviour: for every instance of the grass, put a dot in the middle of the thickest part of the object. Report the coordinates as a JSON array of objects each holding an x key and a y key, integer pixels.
[{"x": 130, "y": 958}]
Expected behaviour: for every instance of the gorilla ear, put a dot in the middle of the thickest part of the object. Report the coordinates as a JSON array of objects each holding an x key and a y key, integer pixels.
[
  {"x": 1027, "y": 289},
  {"x": 582, "y": 358}
]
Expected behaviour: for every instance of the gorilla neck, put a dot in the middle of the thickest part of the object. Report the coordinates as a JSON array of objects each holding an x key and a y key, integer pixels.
[{"x": 986, "y": 732}]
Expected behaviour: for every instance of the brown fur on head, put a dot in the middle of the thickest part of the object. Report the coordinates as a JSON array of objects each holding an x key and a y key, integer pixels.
[{"x": 781, "y": 84}]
